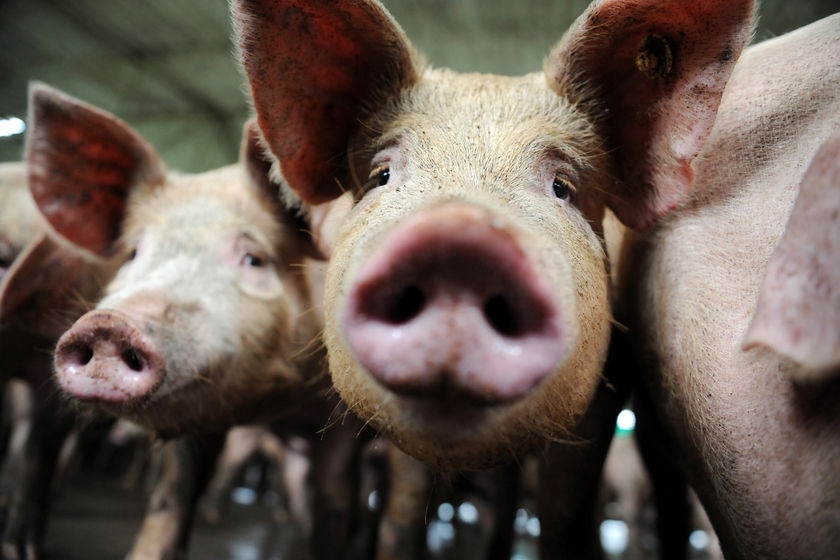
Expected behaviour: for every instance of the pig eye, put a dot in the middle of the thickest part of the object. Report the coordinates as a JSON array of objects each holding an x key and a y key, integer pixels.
[
  {"x": 133, "y": 254},
  {"x": 380, "y": 175},
  {"x": 253, "y": 260},
  {"x": 563, "y": 188}
]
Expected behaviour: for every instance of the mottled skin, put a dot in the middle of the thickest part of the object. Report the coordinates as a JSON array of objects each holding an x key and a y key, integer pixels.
[
  {"x": 469, "y": 169},
  {"x": 760, "y": 446}
]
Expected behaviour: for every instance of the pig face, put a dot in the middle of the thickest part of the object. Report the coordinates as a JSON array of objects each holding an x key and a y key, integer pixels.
[
  {"x": 199, "y": 322},
  {"x": 447, "y": 298},
  {"x": 466, "y": 299}
]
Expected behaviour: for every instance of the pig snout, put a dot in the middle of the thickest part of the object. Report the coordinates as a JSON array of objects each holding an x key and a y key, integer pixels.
[
  {"x": 106, "y": 357},
  {"x": 451, "y": 306}
]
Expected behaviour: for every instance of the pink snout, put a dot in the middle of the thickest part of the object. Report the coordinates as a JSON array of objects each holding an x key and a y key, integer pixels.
[
  {"x": 451, "y": 307},
  {"x": 105, "y": 357}
]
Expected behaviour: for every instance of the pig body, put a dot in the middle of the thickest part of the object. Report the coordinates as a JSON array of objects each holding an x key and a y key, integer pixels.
[
  {"x": 759, "y": 444},
  {"x": 466, "y": 301}
]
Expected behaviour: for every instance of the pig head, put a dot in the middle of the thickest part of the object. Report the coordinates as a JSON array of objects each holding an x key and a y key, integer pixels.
[
  {"x": 466, "y": 301},
  {"x": 206, "y": 307}
]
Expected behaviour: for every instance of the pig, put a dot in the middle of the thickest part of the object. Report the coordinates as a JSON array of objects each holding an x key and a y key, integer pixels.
[
  {"x": 208, "y": 320},
  {"x": 242, "y": 444},
  {"x": 43, "y": 284},
  {"x": 466, "y": 301},
  {"x": 800, "y": 294},
  {"x": 756, "y": 436},
  {"x": 204, "y": 265},
  {"x": 19, "y": 218}
]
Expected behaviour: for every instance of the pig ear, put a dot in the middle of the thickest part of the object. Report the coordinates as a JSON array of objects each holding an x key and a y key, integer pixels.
[
  {"x": 49, "y": 285},
  {"x": 316, "y": 68},
  {"x": 82, "y": 163},
  {"x": 796, "y": 315},
  {"x": 651, "y": 73},
  {"x": 258, "y": 164}
]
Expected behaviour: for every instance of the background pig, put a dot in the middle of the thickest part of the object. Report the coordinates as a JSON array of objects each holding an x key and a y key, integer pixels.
[
  {"x": 208, "y": 321},
  {"x": 758, "y": 441},
  {"x": 796, "y": 314},
  {"x": 19, "y": 217},
  {"x": 44, "y": 285},
  {"x": 467, "y": 309}
]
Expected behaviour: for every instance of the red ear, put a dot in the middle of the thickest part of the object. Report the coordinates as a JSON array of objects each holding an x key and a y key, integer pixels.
[
  {"x": 316, "y": 69},
  {"x": 258, "y": 165},
  {"x": 797, "y": 311},
  {"x": 82, "y": 164},
  {"x": 256, "y": 161},
  {"x": 48, "y": 287},
  {"x": 652, "y": 73}
]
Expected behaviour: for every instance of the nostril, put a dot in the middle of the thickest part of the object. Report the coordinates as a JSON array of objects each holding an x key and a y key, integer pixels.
[
  {"x": 83, "y": 354},
  {"x": 393, "y": 305},
  {"x": 406, "y": 305},
  {"x": 132, "y": 359},
  {"x": 500, "y": 316},
  {"x": 76, "y": 354}
]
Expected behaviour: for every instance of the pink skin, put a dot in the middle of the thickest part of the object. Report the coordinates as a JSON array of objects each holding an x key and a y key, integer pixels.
[
  {"x": 106, "y": 357},
  {"x": 461, "y": 307}
]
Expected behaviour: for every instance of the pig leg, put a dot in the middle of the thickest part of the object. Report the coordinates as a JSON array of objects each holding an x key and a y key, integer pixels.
[
  {"x": 29, "y": 500},
  {"x": 294, "y": 472},
  {"x": 495, "y": 493},
  {"x": 373, "y": 490},
  {"x": 335, "y": 480},
  {"x": 240, "y": 444},
  {"x": 274, "y": 452},
  {"x": 570, "y": 474},
  {"x": 669, "y": 485},
  {"x": 186, "y": 470},
  {"x": 402, "y": 529}
]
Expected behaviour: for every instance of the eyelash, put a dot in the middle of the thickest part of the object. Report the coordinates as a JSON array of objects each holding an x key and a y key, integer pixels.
[
  {"x": 563, "y": 188},
  {"x": 379, "y": 175}
]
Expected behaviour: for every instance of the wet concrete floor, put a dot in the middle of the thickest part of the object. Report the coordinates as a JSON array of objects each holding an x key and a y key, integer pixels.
[{"x": 93, "y": 518}]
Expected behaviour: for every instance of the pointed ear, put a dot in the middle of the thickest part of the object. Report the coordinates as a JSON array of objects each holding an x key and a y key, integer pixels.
[
  {"x": 651, "y": 73},
  {"x": 82, "y": 163},
  {"x": 257, "y": 162},
  {"x": 48, "y": 287},
  {"x": 316, "y": 70},
  {"x": 796, "y": 315}
]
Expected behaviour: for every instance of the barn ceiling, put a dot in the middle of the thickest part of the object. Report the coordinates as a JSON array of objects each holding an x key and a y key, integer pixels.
[{"x": 165, "y": 66}]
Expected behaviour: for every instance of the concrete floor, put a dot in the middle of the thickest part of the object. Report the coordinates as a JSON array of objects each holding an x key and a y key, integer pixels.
[{"x": 94, "y": 519}]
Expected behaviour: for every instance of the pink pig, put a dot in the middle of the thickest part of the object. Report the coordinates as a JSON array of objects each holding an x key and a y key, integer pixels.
[{"x": 757, "y": 435}]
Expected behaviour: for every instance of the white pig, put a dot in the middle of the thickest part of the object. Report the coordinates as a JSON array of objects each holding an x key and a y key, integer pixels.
[
  {"x": 209, "y": 320},
  {"x": 758, "y": 440}
]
